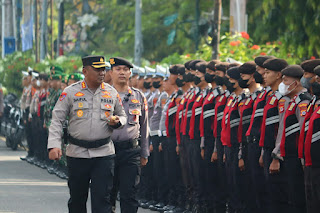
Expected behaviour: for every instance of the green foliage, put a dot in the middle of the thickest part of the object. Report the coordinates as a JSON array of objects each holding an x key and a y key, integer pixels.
[{"x": 295, "y": 23}]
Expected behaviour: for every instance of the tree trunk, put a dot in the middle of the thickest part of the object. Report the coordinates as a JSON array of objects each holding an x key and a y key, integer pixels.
[
  {"x": 138, "y": 44},
  {"x": 43, "y": 31},
  {"x": 216, "y": 29},
  {"x": 60, "y": 27}
]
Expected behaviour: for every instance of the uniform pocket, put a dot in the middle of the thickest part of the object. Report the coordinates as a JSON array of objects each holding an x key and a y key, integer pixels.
[
  {"x": 80, "y": 110},
  {"x": 106, "y": 111},
  {"x": 134, "y": 115}
]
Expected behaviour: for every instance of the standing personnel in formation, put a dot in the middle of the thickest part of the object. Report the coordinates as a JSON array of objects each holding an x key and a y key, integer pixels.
[
  {"x": 272, "y": 114},
  {"x": 292, "y": 123},
  {"x": 95, "y": 110},
  {"x": 132, "y": 141}
]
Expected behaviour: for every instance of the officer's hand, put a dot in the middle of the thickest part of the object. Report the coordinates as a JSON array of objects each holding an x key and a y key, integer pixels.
[
  {"x": 261, "y": 160},
  {"x": 202, "y": 154},
  {"x": 55, "y": 154},
  {"x": 241, "y": 165},
  {"x": 44, "y": 126},
  {"x": 224, "y": 158},
  {"x": 214, "y": 157},
  {"x": 177, "y": 150},
  {"x": 114, "y": 120},
  {"x": 160, "y": 147},
  {"x": 143, "y": 161},
  {"x": 274, "y": 166},
  {"x": 151, "y": 147},
  {"x": 29, "y": 119},
  {"x": 24, "y": 121}
]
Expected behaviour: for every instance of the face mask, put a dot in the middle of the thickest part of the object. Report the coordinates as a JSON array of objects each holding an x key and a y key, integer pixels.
[
  {"x": 219, "y": 80},
  {"x": 243, "y": 83},
  {"x": 156, "y": 84},
  {"x": 189, "y": 77},
  {"x": 196, "y": 80},
  {"x": 147, "y": 85},
  {"x": 315, "y": 88},
  {"x": 258, "y": 78},
  {"x": 305, "y": 82},
  {"x": 230, "y": 86},
  {"x": 180, "y": 82},
  {"x": 38, "y": 83},
  {"x": 208, "y": 78},
  {"x": 283, "y": 89}
]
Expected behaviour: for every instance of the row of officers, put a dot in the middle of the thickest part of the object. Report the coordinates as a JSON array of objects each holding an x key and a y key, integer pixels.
[
  {"x": 229, "y": 137},
  {"x": 199, "y": 137}
]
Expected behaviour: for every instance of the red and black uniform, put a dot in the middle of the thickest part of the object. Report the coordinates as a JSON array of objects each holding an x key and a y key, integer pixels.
[
  {"x": 171, "y": 160},
  {"x": 293, "y": 120},
  {"x": 309, "y": 149},
  {"x": 207, "y": 143},
  {"x": 182, "y": 141},
  {"x": 257, "y": 179},
  {"x": 275, "y": 184},
  {"x": 194, "y": 151},
  {"x": 248, "y": 187},
  {"x": 232, "y": 120}
]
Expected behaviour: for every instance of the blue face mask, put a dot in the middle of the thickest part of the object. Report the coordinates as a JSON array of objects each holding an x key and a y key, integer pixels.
[{"x": 305, "y": 82}]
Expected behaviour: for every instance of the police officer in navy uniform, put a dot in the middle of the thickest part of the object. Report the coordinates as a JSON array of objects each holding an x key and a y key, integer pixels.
[
  {"x": 132, "y": 141},
  {"x": 94, "y": 110}
]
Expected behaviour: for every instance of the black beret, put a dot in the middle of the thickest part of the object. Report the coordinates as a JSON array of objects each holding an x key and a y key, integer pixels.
[
  {"x": 186, "y": 65},
  {"x": 309, "y": 65},
  {"x": 96, "y": 61},
  {"x": 294, "y": 71},
  {"x": 44, "y": 76},
  {"x": 275, "y": 64},
  {"x": 117, "y": 61},
  {"x": 234, "y": 73},
  {"x": 234, "y": 64},
  {"x": 180, "y": 69},
  {"x": 223, "y": 66},
  {"x": 212, "y": 64},
  {"x": 261, "y": 59},
  {"x": 173, "y": 69},
  {"x": 317, "y": 70},
  {"x": 201, "y": 67},
  {"x": 192, "y": 64},
  {"x": 247, "y": 68}
]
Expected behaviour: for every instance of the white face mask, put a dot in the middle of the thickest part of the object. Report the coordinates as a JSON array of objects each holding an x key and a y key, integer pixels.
[
  {"x": 283, "y": 89},
  {"x": 38, "y": 83}
]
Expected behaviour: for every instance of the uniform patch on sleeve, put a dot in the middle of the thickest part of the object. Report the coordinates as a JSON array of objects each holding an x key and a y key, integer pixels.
[
  {"x": 145, "y": 104},
  {"x": 63, "y": 96},
  {"x": 281, "y": 105},
  {"x": 303, "y": 109}
]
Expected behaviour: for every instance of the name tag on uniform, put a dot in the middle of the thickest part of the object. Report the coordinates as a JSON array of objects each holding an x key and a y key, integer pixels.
[
  {"x": 291, "y": 106},
  {"x": 273, "y": 99},
  {"x": 247, "y": 101},
  {"x": 198, "y": 99},
  {"x": 210, "y": 97},
  {"x": 221, "y": 99},
  {"x": 261, "y": 94}
]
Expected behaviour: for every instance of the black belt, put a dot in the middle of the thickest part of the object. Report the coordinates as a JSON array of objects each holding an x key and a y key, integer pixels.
[
  {"x": 89, "y": 144},
  {"x": 129, "y": 144}
]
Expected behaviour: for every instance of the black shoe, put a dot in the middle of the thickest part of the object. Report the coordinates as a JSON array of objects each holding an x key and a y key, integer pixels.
[
  {"x": 175, "y": 210},
  {"x": 30, "y": 160},
  {"x": 24, "y": 158},
  {"x": 153, "y": 208},
  {"x": 168, "y": 207}
]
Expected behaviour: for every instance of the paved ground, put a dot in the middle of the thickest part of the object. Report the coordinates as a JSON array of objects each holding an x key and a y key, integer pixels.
[{"x": 25, "y": 188}]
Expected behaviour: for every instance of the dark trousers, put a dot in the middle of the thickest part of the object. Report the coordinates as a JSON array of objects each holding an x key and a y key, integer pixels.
[
  {"x": 221, "y": 179},
  {"x": 158, "y": 171},
  {"x": 295, "y": 180},
  {"x": 276, "y": 186},
  {"x": 312, "y": 188},
  {"x": 210, "y": 180},
  {"x": 257, "y": 179},
  {"x": 28, "y": 132},
  {"x": 35, "y": 126},
  {"x": 100, "y": 171},
  {"x": 195, "y": 163},
  {"x": 126, "y": 179},
  {"x": 233, "y": 178},
  {"x": 171, "y": 162},
  {"x": 184, "y": 165},
  {"x": 147, "y": 187}
]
